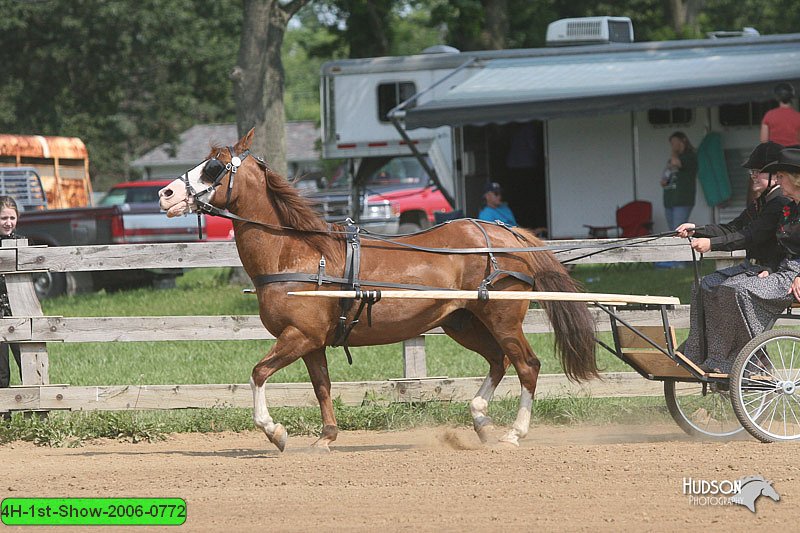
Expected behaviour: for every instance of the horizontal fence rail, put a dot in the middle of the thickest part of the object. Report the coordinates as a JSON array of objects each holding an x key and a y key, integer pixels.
[
  {"x": 224, "y": 254},
  {"x": 122, "y": 397},
  {"x": 33, "y": 331}
]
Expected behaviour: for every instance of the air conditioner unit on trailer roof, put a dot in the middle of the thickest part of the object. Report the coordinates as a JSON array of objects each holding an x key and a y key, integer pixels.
[{"x": 589, "y": 30}]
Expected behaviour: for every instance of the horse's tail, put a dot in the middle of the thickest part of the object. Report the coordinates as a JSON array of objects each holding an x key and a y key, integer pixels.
[{"x": 572, "y": 323}]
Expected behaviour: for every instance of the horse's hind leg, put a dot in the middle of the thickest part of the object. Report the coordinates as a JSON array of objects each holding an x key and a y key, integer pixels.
[
  {"x": 477, "y": 338},
  {"x": 290, "y": 345},
  {"x": 527, "y": 365},
  {"x": 317, "y": 365}
]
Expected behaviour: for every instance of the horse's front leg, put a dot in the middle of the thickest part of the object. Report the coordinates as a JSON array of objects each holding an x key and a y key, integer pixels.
[
  {"x": 290, "y": 346},
  {"x": 317, "y": 364},
  {"x": 276, "y": 433}
]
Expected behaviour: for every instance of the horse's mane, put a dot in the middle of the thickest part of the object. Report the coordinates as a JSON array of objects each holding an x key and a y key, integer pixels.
[{"x": 297, "y": 212}]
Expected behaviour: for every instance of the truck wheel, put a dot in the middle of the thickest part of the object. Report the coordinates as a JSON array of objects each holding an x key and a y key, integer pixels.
[{"x": 49, "y": 284}]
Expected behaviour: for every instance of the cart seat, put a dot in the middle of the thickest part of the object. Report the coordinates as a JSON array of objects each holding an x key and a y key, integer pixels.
[{"x": 646, "y": 359}]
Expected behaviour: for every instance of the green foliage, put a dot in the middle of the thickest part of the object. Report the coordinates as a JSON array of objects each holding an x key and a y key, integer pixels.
[
  {"x": 73, "y": 429},
  {"x": 364, "y": 28},
  {"x": 132, "y": 427},
  {"x": 128, "y": 76},
  {"x": 123, "y": 76},
  {"x": 771, "y": 16},
  {"x": 373, "y": 28},
  {"x": 463, "y": 20},
  {"x": 306, "y": 46}
]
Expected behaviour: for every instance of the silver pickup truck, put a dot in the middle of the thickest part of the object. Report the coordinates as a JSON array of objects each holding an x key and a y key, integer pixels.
[{"x": 125, "y": 222}]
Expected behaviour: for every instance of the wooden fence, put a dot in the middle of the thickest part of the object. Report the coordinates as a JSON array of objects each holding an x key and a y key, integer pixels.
[{"x": 33, "y": 331}]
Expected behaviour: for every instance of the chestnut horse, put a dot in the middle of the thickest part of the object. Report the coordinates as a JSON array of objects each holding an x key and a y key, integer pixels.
[{"x": 278, "y": 231}]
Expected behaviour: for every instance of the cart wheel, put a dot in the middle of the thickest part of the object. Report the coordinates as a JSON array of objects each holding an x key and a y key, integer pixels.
[
  {"x": 765, "y": 386},
  {"x": 699, "y": 415}
]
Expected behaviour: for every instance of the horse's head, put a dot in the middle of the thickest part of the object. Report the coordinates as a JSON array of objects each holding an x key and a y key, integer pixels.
[
  {"x": 769, "y": 491},
  {"x": 199, "y": 185}
]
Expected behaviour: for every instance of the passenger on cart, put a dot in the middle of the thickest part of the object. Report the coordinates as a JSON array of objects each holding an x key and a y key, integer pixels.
[
  {"x": 753, "y": 230},
  {"x": 743, "y": 301}
]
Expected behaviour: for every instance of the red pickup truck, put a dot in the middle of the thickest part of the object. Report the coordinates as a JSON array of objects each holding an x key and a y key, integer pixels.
[{"x": 395, "y": 198}]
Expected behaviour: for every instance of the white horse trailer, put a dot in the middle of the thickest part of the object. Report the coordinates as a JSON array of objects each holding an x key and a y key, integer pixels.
[
  {"x": 571, "y": 132},
  {"x": 358, "y": 94}
]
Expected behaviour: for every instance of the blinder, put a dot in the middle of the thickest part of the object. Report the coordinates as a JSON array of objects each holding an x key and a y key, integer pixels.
[{"x": 214, "y": 170}]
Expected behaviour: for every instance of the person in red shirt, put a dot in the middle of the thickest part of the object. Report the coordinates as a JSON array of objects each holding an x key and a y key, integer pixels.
[{"x": 782, "y": 124}]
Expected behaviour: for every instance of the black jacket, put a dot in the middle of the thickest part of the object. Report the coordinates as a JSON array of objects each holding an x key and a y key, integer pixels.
[
  {"x": 753, "y": 230},
  {"x": 789, "y": 231},
  {"x": 5, "y": 307}
]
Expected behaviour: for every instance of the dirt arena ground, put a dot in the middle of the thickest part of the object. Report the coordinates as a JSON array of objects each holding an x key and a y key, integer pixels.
[{"x": 582, "y": 478}]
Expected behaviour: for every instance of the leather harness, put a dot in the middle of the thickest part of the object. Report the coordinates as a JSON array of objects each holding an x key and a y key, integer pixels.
[
  {"x": 216, "y": 171},
  {"x": 352, "y": 281}
]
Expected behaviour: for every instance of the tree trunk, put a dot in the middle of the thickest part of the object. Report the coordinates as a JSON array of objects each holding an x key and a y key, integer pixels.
[
  {"x": 684, "y": 14},
  {"x": 258, "y": 78},
  {"x": 496, "y": 13}
]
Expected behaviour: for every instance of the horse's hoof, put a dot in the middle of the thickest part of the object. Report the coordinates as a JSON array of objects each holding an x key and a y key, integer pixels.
[
  {"x": 484, "y": 433},
  {"x": 509, "y": 441},
  {"x": 279, "y": 437}
]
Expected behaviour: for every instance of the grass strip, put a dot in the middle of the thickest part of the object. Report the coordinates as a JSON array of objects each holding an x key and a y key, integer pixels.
[{"x": 71, "y": 429}]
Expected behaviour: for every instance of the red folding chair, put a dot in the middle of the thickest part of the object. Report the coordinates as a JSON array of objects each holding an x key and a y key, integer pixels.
[{"x": 634, "y": 219}]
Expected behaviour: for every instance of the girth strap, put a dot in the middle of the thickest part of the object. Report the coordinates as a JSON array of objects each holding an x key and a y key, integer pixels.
[
  {"x": 352, "y": 281},
  {"x": 483, "y": 293},
  {"x": 352, "y": 267},
  {"x": 496, "y": 271},
  {"x": 368, "y": 299}
]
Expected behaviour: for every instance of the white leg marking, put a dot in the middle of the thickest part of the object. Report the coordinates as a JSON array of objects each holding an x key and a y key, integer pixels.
[
  {"x": 478, "y": 409},
  {"x": 523, "y": 422},
  {"x": 480, "y": 402},
  {"x": 260, "y": 412}
]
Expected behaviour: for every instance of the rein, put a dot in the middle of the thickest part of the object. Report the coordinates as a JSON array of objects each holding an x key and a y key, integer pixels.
[
  {"x": 216, "y": 171},
  {"x": 207, "y": 208},
  {"x": 220, "y": 171}
]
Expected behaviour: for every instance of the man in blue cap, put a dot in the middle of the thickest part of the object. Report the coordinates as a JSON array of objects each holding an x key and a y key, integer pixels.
[{"x": 496, "y": 209}]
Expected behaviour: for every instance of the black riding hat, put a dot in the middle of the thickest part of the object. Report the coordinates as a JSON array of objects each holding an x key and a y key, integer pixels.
[
  {"x": 788, "y": 161},
  {"x": 762, "y": 155}
]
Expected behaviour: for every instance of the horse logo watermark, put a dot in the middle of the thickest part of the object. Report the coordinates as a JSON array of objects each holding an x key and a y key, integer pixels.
[
  {"x": 743, "y": 491},
  {"x": 751, "y": 488}
]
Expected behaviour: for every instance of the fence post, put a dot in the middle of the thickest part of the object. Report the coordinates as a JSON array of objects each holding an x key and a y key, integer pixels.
[
  {"x": 414, "y": 364},
  {"x": 24, "y": 303}
]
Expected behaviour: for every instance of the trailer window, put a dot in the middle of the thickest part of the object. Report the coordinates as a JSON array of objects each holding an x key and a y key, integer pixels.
[
  {"x": 746, "y": 114},
  {"x": 676, "y": 116},
  {"x": 390, "y": 95},
  {"x": 400, "y": 172}
]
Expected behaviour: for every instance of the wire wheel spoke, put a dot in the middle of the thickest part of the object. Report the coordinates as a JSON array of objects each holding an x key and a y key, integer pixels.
[
  {"x": 765, "y": 386},
  {"x": 707, "y": 415}
]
